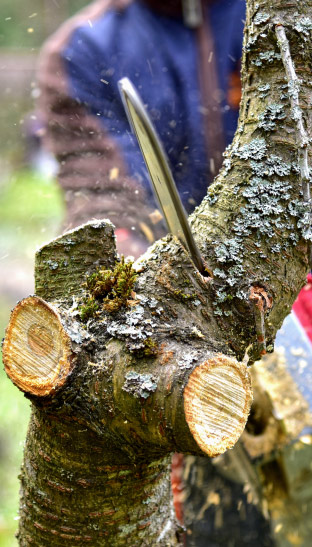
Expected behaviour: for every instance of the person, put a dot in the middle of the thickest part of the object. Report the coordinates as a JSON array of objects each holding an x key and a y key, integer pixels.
[
  {"x": 184, "y": 58},
  {"x": 189, "y": 80}
]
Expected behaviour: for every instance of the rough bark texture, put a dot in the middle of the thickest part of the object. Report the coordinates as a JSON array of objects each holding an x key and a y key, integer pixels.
[
  {"x": 62, "y": 266},
  {"x": 253, "y": 224},
  {"x": 80, "y": 489},
  {"x": 122, "y": 403},
  {"x": 135, "y": 391}
]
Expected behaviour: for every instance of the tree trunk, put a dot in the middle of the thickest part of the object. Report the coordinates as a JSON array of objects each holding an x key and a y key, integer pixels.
[
  {"x": 113, "y": 398},
  {"x": 77, "y": 491},
  {"x": 164, "y": 368}
]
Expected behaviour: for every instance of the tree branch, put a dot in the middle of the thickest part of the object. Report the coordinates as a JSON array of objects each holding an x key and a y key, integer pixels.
[
  {"x": 46, "y": 345},
  {"x": 297, "y": 115},
  {"x": 169, "y": 371}
]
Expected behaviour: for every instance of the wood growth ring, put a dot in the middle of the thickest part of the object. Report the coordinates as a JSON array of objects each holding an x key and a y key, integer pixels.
[
  {"x": 40, "y": 339},
  {"x": 36, "y": 351},
  {"x": 217, "y": 400}
]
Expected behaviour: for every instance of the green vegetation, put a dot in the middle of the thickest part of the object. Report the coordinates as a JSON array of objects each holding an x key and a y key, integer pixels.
[
  {"x": 30, "y": 213},
  {"x": 26, "y": 24},
  {"x": 89, "y": 309},
  {"x": 109, "y": 289},
  {"x": 150, "y": 347},
  {"x": 29, "y": 198},
  {"x": 184, "y": 297},
  {"x": 14, "y": 412}
]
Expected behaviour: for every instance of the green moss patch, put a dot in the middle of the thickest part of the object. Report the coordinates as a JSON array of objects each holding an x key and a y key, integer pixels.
[{"x": 109, "y": 290}]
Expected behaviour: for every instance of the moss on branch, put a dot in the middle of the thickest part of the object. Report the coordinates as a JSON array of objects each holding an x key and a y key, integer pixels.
[{"x": 109, "y": 290}]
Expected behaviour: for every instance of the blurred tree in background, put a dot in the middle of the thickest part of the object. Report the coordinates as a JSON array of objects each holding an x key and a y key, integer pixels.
[{"x": 30, "y": 209}]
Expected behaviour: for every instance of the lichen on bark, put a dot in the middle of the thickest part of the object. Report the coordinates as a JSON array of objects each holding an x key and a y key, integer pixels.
[
  {"x": 253, "y": 226},
  {"x": 125, "y": 404}
]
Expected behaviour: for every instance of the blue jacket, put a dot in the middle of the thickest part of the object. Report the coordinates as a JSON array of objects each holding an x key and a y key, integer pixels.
[{"x": 160, "y": 55}]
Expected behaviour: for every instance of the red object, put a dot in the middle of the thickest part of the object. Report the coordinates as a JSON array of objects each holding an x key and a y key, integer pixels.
[
  {"x": 303, "y": 307},
  {"x": 122, "y": 234}
]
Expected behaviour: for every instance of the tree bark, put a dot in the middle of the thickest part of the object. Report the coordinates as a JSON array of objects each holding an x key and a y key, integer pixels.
[
  {"x": 155, "y": 376},
  {"x": 123, "y": 389},
  {"x": 254, "y": 224}
]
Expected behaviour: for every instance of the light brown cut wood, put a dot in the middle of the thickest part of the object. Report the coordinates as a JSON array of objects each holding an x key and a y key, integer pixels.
[
  {"x": 36, "y": 351},
  {"x": 217, "y": 402}
]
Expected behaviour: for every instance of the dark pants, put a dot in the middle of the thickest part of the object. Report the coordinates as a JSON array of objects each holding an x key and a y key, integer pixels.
[{"x": 218, "y": 513}]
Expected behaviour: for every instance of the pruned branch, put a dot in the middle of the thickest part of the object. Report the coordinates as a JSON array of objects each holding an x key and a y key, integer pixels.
[
  {"x": 124, "y": 385},
  {"x": 46, "y": 346},
  {"x": 37, "y": 350}
]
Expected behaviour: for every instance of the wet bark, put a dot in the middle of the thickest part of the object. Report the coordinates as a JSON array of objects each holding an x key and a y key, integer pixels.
[{"x": 96, "y": 466}]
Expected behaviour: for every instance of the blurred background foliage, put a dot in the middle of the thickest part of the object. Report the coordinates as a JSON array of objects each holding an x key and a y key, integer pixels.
[
  {"x": 26, "y": 24},
  {"x": 31, "y": 208}
]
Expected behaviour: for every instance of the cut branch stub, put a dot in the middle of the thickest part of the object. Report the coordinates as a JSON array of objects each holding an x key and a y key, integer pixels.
[
  {"x": 37, "y": 351},
  {"x": 62, "y": 264},
  {"x": 217, "y": 402}
]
